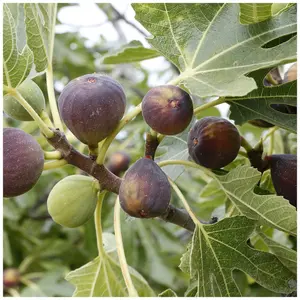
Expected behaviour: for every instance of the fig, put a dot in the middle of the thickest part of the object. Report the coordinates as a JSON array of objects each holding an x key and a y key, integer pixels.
[
  {"x": 145, "y": 191},
  {"x": 118, "y": 162},
  {"x": 213, "y": 142},
  {"x": 91, "y": 107},
  {"x": 167, "y": 109},
  {"x": 11, "y": 277},
  {"x": 284, "y": 175},
  {"x": 23, "y": 162},
  {"x": 72, "y": 201},
  {"x": 31, "y": 92}
]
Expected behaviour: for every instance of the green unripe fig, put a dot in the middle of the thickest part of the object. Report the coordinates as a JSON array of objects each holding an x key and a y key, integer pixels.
[
  {"x": 72, "y": 201},
  {"x": 31, "y": 92},
  {"x": 167, "y": 109},
  {"x": 213, "y": 142},
  {"x": 284, "y": 175},
  {"x": 23, "y": 162},
  {"x": 91, "y": 107},
  {"x": 145, "y": 191}
]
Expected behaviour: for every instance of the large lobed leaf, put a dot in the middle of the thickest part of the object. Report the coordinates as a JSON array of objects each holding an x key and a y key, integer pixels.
[
  {"x": 270, "y": 210},
  {"x": 256, "y": 104},
  {"x": 255, "y": 12},
  {"x": 40, "y": 21},
  {"x": 216, "y": 250},
  {"x": 103, "y": 277},
  {"x": 16, "y": 64},
  {"x": 210, "y": 47}
]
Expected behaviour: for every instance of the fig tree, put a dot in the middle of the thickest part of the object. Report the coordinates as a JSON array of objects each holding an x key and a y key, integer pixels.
[
  {"x": 91, "y": 107},
  {"x": 213, "y": 142},
  {"x": 118, "y": 162},
  {"x": 284, "y": 175},
  {"x": 72, "y": 201},
  {"x": 31, "y": 92},
  {"x": 167, "y": 109},
  {"x": 23, "y": 161},
  {"x": 145, "y": 191}
]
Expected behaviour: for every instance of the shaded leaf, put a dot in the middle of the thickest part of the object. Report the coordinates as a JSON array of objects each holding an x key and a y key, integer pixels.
[
  {"x": 210, "y": 47},
  {"x": 16, "y": 64},
  {"x": 133, "y": 52},
  {"x": 216, "y": 250},
  {"x": 255, "y": 12}
]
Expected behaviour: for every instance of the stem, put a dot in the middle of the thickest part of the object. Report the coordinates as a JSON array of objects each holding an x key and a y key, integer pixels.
[
  {"x": 51, "y": 97},
  {"x": 120, "y": 248},
  {"x": 102, "y": 151},
  {"x": 52, "y": 155},
  {"x": 209, "y": 104},
  {"x": 43, "y": 126},
  {"x": 45, "y": 117},
  {"x": 174, "y": 81},
  {"x": 242, "y": 153},
  {"x": 183, "y": 200},
  {"x": 98, "y": 226},
  {"x": 54, "y": 164},
  {"x": 13, "y": 292},
  {"x": 270, "y": 133},
  {"x": 245, "y": 144}
]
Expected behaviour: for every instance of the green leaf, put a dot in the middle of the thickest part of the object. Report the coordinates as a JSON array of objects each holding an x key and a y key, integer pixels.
[
  {"x": 256, "y": 105},
  {"x": 278, "y": 8},
  {"x": 287, "y": 256},
  {"x": 40, "y": 22},
  {"x": 216, "y": 250},
  {"x": 270, "y": 210},
  {"x": 255, "y": 12},
  {"x": 16, "y": 64},
  {"x": 210, "y": 47},
  {"x": 103, "y": 277},
  {"x": 133, "y": 52},
  {"x": 167, "y": 293}
]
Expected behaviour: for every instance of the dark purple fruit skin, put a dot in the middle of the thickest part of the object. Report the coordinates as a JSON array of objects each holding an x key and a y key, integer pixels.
[
  {"x": 213, "y": 142},
  {"x": 167, "y": 109},
  {"x": 284, "y": 175},
  {"x": 23, "y": 161},
  {"x": 11, "y": 277},
  {"x": 92, "y": 106},
  {"x": 118, "y": 162},
  {"x": 145, "y": 191}
]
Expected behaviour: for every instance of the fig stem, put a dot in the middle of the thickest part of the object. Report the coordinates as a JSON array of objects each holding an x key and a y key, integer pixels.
[
  {"x": 52, "y": 155},
  {"x": 151, "y": 145},
  {"x": 98, "y": 226},
  {"x": 199, "y": 109},
  {"x": 54, "y": 164},
  {"x": 121, "y": 254},
  {"x": 105, "y": 145},
  {"x": 42, "y": 125},
  {"x": 270, "y": 133},
  {"x": 245, "y": 144},
  {"x": 51, "y": 97},
  {"x": 184, "y": 202}
]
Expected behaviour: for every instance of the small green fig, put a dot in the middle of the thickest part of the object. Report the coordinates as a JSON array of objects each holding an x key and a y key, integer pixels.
[
  {"x": 284, "y": 175},
  {"x": 145, "y": 191},
  {"x": 213, "y": 142},
  {"x": 118, "y": 162},
  {"x": 72, "y": 201},
  {"x": 167, "y": 109},
  {"x": 11, "y": 277},
  {"x": 31, "y": 92},
  {"x": 23, "y": 162},
  {"x": 91, "y": 107}
]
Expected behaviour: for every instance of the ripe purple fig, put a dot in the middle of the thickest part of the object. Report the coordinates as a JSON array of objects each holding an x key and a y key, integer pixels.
[
  {"x": 118, "y": 162},
  {"x": 213, "y": 142},
  {"x": 92, "y": 106},
  {"x": 284, "y": 175},
  {"x": 23, "y": 161},
  {"x": 167, "y": 109},
  {"x": 145, "y": 191}
]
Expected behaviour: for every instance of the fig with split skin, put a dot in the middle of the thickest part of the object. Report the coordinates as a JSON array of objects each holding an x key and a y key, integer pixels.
[
  {"x": 167, "y": 109},
  {"x": 118, "y": 162},
  {"x": 145, "y": 191},
  {"x": 213, "y": 142},
  {"x": 72, "y": 201},
  {"x": 23, "y": 162},
  {"x": 284, "y": 175},
  {"x": 31, "y": 92},
  {"x": 91, "y": 107}
]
